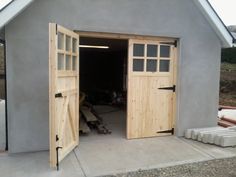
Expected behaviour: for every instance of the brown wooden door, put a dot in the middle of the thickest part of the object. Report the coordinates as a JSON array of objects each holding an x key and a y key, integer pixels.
[
  {"x": 63, "y": 92},
  {"x": 150, "y": 109}
]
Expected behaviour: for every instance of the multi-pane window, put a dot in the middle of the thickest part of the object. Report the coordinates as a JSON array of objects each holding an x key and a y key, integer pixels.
[
  {"x": 151, "y": 58},
  {"x": 67, "y": 52}
]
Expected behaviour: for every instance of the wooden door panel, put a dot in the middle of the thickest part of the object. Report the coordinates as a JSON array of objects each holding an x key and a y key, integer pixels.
[
  {"x": 150, "y": 109},
  {"x": 63, "y": 92}
]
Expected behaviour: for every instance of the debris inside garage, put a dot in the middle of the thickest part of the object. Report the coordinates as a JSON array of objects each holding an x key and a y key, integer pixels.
[{"x": 90, "y": 119}]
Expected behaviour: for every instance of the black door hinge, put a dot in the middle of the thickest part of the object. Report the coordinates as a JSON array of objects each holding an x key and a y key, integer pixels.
[
  {"x": 58, "y": 95},
  {"x": 56, "y": 29},
  {"x": 168, "y": 88},
  {"x": 168, "y": 131},
  {"x": 57, "y": 151},
  {"x": 57, "y": 138}
]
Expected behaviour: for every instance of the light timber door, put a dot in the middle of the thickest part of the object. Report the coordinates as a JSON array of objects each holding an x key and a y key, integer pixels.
[
  {"x": 63, "y": 92},
  {"x": 151, "y": 88}
]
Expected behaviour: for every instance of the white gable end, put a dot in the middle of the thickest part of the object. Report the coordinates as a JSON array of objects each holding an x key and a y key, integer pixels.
[
  {"x": 12, "y": 10},
  {"x": 219, "y": 27}
]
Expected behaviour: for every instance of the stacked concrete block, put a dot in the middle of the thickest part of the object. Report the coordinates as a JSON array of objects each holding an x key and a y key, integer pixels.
[{"x": 224, "y": 137}]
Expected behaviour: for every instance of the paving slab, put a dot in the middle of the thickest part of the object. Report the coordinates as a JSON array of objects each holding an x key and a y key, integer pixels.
[
  {"x": 210, "y": 137},
  {"x": 228, "y": 141},
  {"x": 37, "y": 165},
  {"x": 109, "y": 154},
  {"x": 115, "y": 156},
  {"x": 214, "y": 151}
]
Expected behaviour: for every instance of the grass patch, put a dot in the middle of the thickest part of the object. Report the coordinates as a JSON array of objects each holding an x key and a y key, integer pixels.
[{"x": 228, "y": 84}]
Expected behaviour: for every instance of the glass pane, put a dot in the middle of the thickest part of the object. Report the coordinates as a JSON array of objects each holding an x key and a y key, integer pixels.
[
  {"x": 60, "y": 41},
  {"x": 152, "y": 50},
  {"x": 151, "y": 65},
  {"x": 138, "y": 64},
  {"x": 68, "y": 62},
  {"x": 164, "y": 65},
  {"x": 74, "y": 45},
  {"x": 74, "y": 63},
  {"x": 60, "y": 62},
  {"x": 165, "y": 51},
  {"x": 68, "y": 43},
  {"x": 138, "y": 50}
]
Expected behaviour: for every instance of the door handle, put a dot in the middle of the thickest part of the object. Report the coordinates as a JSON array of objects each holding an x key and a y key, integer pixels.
[
  {"x": 168, "y": 88},
  {"x": 58, "y": 95}
]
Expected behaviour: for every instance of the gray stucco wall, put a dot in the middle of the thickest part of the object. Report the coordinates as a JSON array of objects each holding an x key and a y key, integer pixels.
[{"x": 27, "y": 58}]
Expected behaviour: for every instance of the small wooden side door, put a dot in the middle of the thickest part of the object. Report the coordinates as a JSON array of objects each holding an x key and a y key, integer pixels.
[
  {"x": 63, "y": 92},
  {"x": 150, "y": 88}
]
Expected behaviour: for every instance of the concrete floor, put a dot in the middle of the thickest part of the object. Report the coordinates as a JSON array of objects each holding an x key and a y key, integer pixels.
[{"x": 109, "y": 154}]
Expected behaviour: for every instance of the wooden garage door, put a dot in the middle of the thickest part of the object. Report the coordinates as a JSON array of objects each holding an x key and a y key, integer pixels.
[
  {"x": 64, "y": 92},
  {"x": 151, "y": 88}
]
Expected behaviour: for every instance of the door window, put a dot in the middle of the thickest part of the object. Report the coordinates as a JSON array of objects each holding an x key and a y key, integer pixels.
[
  {"x": 151, "y": 58},
  {"x": 138, "y": 65},
  {"x": 138, "y": 50},
  {"x": 151, "y": 65},
  {"x": 67, "y": 58}
]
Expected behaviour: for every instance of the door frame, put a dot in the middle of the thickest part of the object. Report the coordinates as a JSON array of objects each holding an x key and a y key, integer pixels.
[
  {"x": 107, "y": 35},
  {"x": 5, "y": 78}
]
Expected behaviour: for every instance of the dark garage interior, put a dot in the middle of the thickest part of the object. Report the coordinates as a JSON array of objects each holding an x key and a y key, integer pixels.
[
  {"x": 103, "y": 88},
  {"x": 103, "y": 71}
]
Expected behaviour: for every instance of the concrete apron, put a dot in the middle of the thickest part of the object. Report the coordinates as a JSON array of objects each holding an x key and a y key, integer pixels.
[
  {"x": 98, "y": 158},
  {"x": 110, "y": 154}
]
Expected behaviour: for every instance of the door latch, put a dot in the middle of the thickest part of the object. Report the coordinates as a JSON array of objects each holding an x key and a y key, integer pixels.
[
  {"x": 168, "y": 88},
  {"x": 58, "y": 95},
  {"x": 57, "y": 151}
]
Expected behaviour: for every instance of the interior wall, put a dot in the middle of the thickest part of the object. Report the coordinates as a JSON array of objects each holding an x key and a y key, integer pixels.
[
  {"x": 2, "y": 71},
  {"x": 101, "y": 70},
  {"x": 3, "y": 122},
  {"x": 27, "y": 58},
  {"x": 2, "y": 34}
]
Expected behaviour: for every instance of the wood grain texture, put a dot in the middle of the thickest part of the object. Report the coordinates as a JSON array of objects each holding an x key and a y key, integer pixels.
[
  {"x": 150, "y": 110},
  {"x": 64, "y": 109}
]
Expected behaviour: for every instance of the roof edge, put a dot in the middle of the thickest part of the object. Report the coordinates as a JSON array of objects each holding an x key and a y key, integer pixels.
[
  {"x": 213, "y": 18},
  {"x": 12, "y": 10},
  {"x": 6, "y": 5}
]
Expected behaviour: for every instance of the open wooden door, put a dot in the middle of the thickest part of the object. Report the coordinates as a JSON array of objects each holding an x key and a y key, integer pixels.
[
  {"x": 63, "y": 92},
  {"x": 151, "y": 88}
]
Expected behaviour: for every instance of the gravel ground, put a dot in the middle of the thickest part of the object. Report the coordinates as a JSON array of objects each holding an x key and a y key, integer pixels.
[{"x": 213, "y": 168}]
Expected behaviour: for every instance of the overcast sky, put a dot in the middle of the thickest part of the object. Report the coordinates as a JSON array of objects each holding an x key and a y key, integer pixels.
[
  {"x": 4, "y": 2},
  {"x": 225, "y": 8}
]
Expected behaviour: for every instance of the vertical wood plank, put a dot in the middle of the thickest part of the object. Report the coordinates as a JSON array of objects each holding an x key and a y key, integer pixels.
[
  {"x": 52, "y": 69},
  {"x": 149, "y": 109}
]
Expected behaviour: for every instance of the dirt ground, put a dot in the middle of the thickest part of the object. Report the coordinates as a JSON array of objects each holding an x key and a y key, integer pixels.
[
  {"x": 228, "y": 84},
  {"x": 214, "y": 168}
]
